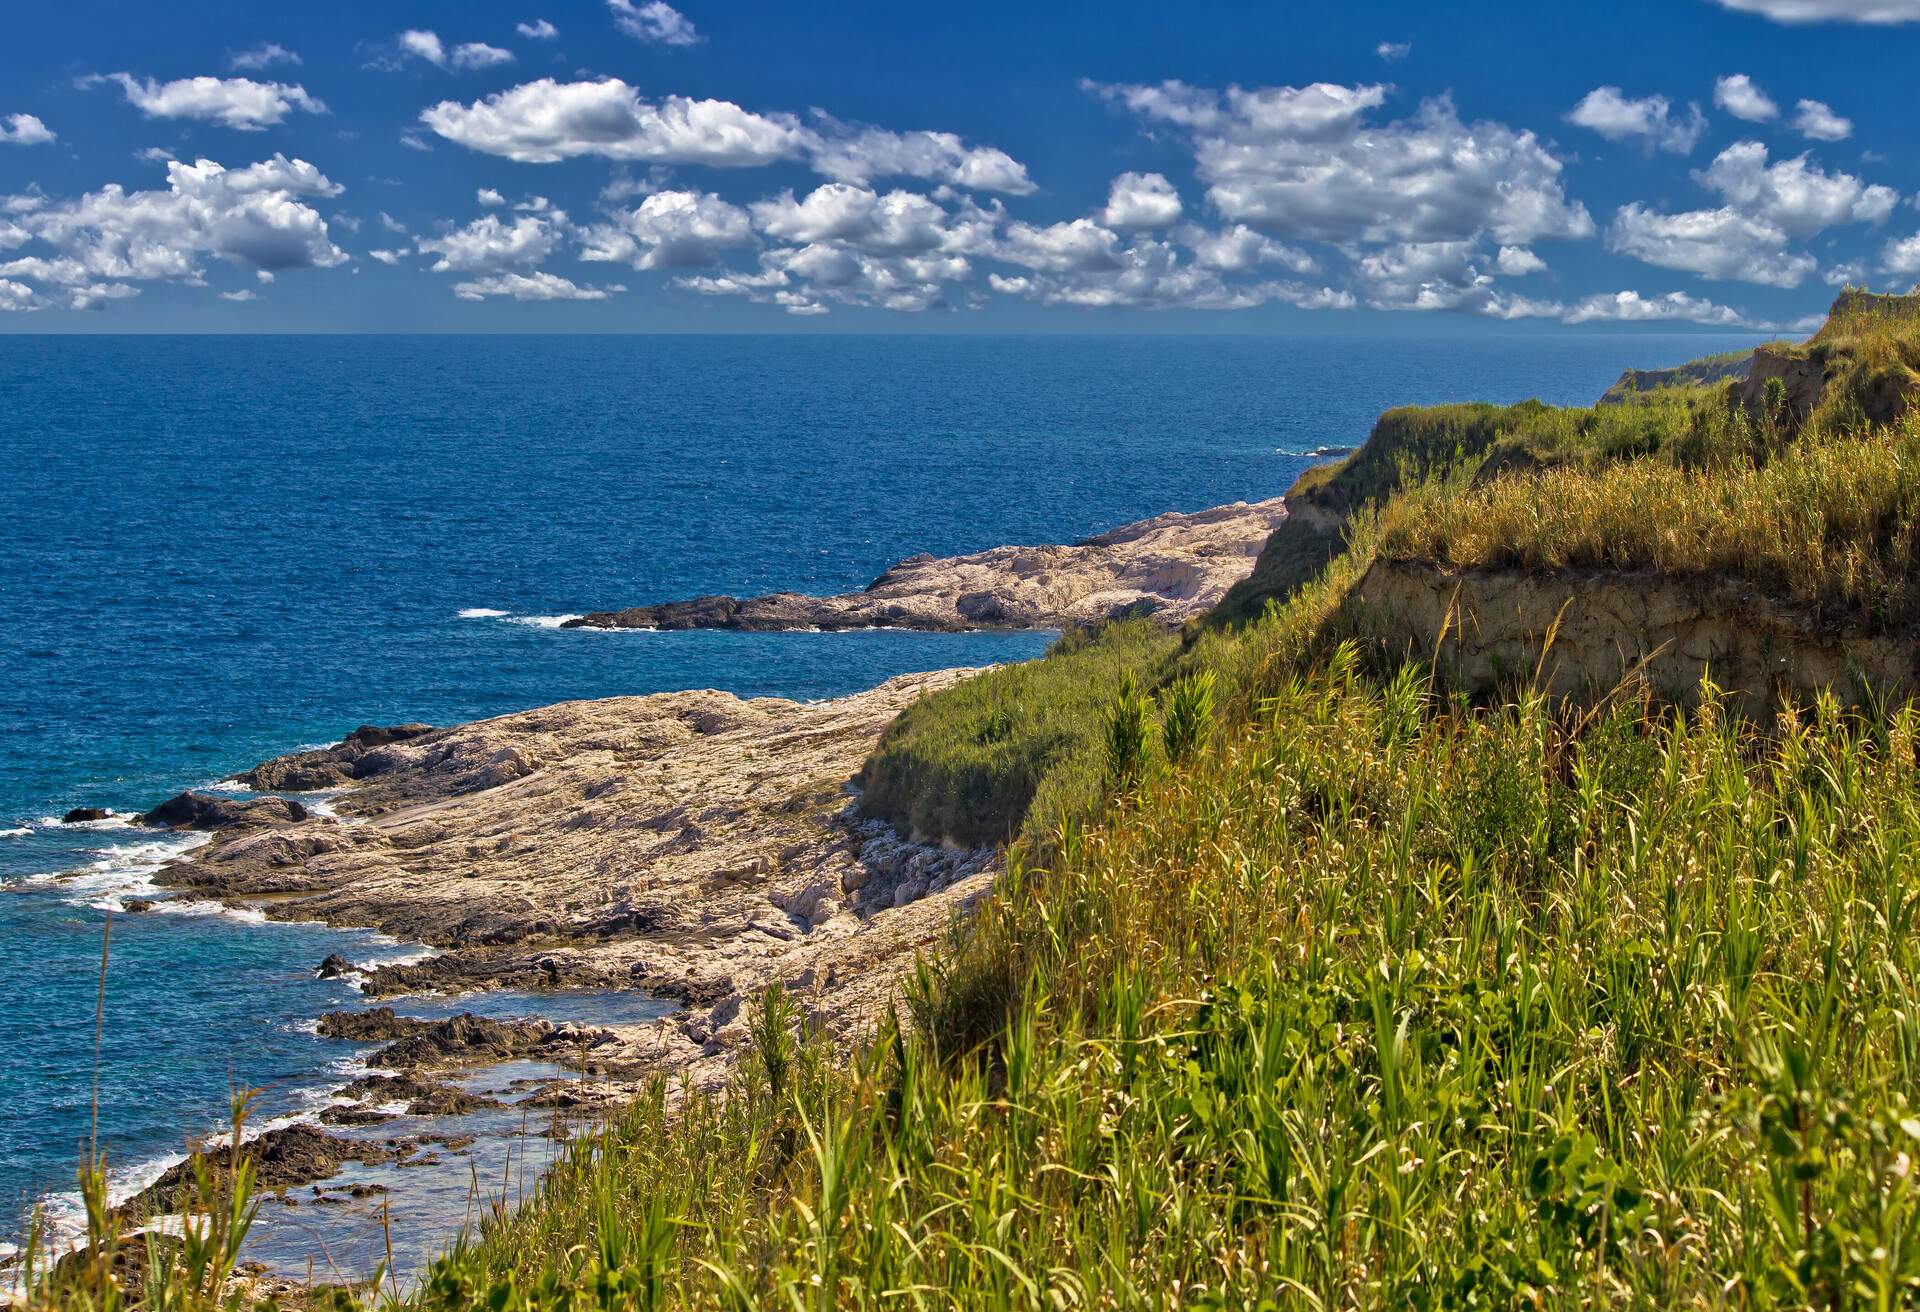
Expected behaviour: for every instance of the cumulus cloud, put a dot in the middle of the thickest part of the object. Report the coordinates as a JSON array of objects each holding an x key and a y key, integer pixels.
[
  {"x": 1721, "y": 243},
  {"x": 487, "y": 245},
  {"x": 896, "y": 223},
  {"x": 262, "y": 56},
  {"x": 1238, "y": 249},
  {"x": 1652, "y": 119},
  {"x": 1793, "y": 194},
  {"x": 1902, "y": 256},
  {"x": 861, "y": 154},
  {"x": 489, "y": 197},
  {"x": 546, "y": 121},
  {"x": 420, "y": 44},
  {"x": 1142, "y": 200},
  {"x": 17, "y": 297},
  {"x": 386, "y": 256},
  {"x": 1304, "y": 162},
  {"x": 1518, "y": 262},
  {"x": 1817, "y": 120},
  {"x": 1830, "y": 11},
  {"x": 669, "y": 230},
  {"x": 538, "y": 30},
  {"x": 1767, "y": 207},
  {"x": 244, "y": 294},
  {"x": 537, "y": 286},
  {"x": 256, "y": 217},
  {"x": 24, "y": 130},
  {"x": 1150, "y": 275},
  {"x": 1741, "y": 98},
  {"x": 1632, "y": 307},
  {"x": 234, "y": 102},
  {"x": 656, "y": 22},
  {"x": 1393, "y": 51}
]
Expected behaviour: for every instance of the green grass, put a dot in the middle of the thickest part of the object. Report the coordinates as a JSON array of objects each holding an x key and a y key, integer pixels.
[
  {"x": 968, "y": 765},
  {"x": 1312, "y": 984},
  {"x": 1834, "y": 525},
  {"x": 1384, "y": 1001}
]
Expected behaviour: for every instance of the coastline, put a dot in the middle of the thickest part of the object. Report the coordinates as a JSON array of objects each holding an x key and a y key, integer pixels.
[{"x": 683, "y": 849}]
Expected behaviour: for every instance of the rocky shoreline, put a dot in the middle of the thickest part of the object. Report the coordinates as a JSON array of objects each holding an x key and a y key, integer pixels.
[
  {"x": 1172, "y": 567},
  {"x": 693, "y": 845}
]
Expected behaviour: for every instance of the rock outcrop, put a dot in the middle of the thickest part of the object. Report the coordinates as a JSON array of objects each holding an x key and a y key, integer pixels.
[
  {"x": 1172, "y": 567},
  {"x": 1713, "y": 369},
  {"x": 1669, "y": 630},
  {"x": 204, "y": 811},
  {"x": 693, "y": 845},
  {"x": 356, "y": 757}
]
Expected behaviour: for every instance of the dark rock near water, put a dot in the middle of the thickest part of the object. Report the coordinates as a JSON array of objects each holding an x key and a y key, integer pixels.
[
  {"x": 357, "y": 756},
  {"x": 334, "y": 967},
  {"x": 136, "y": 905},
  {"x": 375, "y": 1026},
  {"x": 292, "y": 1155},
  {"x": 203, "y": 811},
  {"x": 463, "y": 1039},
  {"x": 81, "y": 815}
]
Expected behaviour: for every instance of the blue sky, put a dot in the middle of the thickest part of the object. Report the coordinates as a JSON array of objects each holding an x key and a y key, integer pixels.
[{"x": 630, "y": 165}]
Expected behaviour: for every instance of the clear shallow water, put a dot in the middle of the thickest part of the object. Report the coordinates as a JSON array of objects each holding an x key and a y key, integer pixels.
[{"x": 218, "y": 549}]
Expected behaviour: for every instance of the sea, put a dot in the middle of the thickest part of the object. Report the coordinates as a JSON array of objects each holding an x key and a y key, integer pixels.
[{"x": 215, "y": 549}]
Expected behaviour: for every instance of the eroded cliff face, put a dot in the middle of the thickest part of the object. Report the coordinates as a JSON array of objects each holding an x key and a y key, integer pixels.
[{"x": 1492, "y": 626}]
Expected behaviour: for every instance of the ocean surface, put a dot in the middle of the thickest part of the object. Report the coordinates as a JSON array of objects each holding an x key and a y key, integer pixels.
[{"x": 217, "y": 549}]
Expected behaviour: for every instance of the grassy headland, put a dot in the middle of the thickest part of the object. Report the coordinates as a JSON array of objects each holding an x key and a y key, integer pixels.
[{"x": 1338, "y": 988}]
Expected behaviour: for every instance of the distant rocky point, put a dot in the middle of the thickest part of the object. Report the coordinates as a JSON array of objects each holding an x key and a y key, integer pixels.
[{"x": 1172, "y": 567}]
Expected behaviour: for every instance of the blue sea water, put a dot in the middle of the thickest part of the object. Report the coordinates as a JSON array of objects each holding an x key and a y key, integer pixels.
[{"x": 215, "y": 549}]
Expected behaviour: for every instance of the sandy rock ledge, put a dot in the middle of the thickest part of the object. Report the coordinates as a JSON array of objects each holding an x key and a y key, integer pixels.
[{"x": 694, "y": 845}]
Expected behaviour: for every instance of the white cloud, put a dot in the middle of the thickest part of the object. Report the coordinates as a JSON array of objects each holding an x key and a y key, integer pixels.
[
  {"x": 414, "y": 141},
  {"x": 1741, "y": 98},
  {"x": 487, "y": 245},
  {"x": 488, "y": 196},
  {"x": 262, "y": 56},
  {"x": 465, "y": 58},
  {"x": 669, "y": 230},
  {"x": 1304, "y": 163},
  {"x": 1794, "y": 195},
  {"x": 897, "y": 223},
  {"x": 1616, "y": 117},
  {"x": 1393, "y": 51},
  {"x": 1142, "y": 200},
  {"x": 1238, "y": 249},
  {"x": 234, "y": 102},
  {"x": 538, "y": 286},
  {"x": 853, "y": 154},
  {"x": 1518, "y": 262},
  {"x": 546, "y": 121},
  {"x": 256, "y": 217},
  {"x": 1818, "y": 121},
  {"x": 392, "y": 224},
  {"x": 538, "y": 30},
  {"x": 1149, "y": 275},
  {"x": 154, "y": 154},
  {"x": 24, "y": 130},
  {"x": 1830, "y": 11},
  {"x": 1720, "y": 243},
  {"x": 17, "y": 297},
  {"x": 242, "y": 295},
  {"x": 386, "y": 257},
  {"x": 656, "y": 21},
  {"x": 1902, "y": 256},
  {"x": 1632, "y": 307}
]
